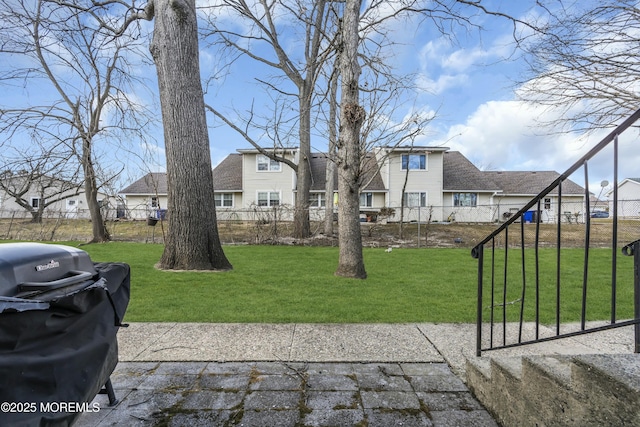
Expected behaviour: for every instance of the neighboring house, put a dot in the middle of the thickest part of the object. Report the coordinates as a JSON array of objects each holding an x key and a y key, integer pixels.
[
  {"x": 70, "y": 197},
  {"x": 517, "y": 188},
  {"x": 466, "y": 188},
  {"x": 146, "y": 197},
  {"x": 432, "y": 183},
  {"x": 503, "y": 193},
  {"x": 628, "y": 198}
]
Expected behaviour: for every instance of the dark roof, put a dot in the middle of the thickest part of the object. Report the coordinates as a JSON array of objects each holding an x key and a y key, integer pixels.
[
  {"x": 151, "y": 183},
  {"x": 459, "y": 174},
  {"x": 531, "y": 182},
  {"x": 227, "y": 176},
  {"x": 319, "y": 177}
]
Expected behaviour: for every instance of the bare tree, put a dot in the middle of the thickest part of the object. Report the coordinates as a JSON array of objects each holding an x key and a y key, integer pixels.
[
  {"x": 36, "y": 178},
  {"x": 78, "y": 83},
  {"x": 315, "y": 24},
  {"x": 583, "y": 62},
  {"x": 331, "y": 153}
]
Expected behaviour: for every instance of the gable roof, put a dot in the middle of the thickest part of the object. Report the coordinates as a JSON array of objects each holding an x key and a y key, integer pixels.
[
  {"x": 151, "y": 183},
  {"x": 622, "y": 183},
  {"x": 459, "y": 174},
  {"x": 531, "y": 183},
  {"x": 319, "y": 176},
  {"x": 227, "y": 176}
]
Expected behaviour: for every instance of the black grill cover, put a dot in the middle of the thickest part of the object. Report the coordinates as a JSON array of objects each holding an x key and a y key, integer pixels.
[{"x": 57, "y": 345}]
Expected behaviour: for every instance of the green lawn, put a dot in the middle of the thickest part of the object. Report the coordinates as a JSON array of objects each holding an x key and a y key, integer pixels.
[
  {"x": 599, "y": 279},
  {"x": 296, "y": 284},
  {"x": 284, "y": 284}
]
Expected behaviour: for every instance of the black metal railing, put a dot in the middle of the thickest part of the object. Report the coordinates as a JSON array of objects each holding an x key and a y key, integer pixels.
[{"x": 511, "y": 316}]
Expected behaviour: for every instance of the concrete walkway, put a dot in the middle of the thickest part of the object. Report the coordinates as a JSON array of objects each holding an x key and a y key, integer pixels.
[{"x": 181, "y": 374}]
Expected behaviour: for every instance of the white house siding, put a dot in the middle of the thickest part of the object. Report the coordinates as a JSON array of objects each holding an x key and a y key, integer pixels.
[
  {"x": 74, "y": 207},
  {"x": 484, "y": 211},
  {"x": 418, "y": 181},
  {"x": 231, "y": 212},
  {"x": 628, "y": 199},
  {"x": 573, "y": 207},
  {"x": 255, "y": 181},
  {"x": 140, "y": 206}
]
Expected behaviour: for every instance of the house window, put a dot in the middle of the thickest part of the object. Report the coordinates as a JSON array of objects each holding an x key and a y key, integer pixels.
[
  {"x": 366, "y": 200},
  {"x": 547, "y": 204},
  {"x": 317, "y": 200},
  {"x": 35, "y": 202},
  {"x": 414, "y": 200},
  {"x": 154, "y": 202},
  {"x": 224, "y": 200},
  {"x": 414, "y": 161},
  {"x": 268, "y": 198},
  {"x": 465, "y": 199},
  {"x": 265, "y": 164}
]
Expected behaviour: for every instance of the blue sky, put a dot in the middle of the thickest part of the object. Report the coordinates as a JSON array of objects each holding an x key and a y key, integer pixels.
[
  {"x": 468, "y": 81},
  {"x": 465, "y": 79}
]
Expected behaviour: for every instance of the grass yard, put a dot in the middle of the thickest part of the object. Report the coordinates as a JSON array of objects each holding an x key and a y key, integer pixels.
[
  {"x": 283, "y": 284},
  {"x": 292, "y": 284}
]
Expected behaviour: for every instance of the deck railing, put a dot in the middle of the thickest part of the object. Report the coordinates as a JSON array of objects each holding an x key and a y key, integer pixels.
[{"x": 524, "y": 295}]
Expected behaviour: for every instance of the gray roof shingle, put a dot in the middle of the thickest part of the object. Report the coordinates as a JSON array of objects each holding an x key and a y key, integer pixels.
[
  {"x": 459, "y": 174},
  {"x": 227, "y": 176},
  {"x": 531, "y": 183},
  {"x": 151, "y": 183},
  {"x": 319, "y": 177}
]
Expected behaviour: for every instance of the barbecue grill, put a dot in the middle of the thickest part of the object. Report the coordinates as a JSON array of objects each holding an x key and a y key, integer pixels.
[{"x": 59, "y": 315}]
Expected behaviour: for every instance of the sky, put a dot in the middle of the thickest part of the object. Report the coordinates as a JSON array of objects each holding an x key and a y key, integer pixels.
[
  {"x": 465, "y": 79},
  {"x": 468, "y": 81}
]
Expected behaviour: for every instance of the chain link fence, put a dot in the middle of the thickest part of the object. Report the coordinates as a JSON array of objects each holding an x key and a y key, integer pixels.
[{"x": 420, "y": 226}]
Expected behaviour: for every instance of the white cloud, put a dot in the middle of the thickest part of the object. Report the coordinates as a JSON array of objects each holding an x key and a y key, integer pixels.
[
  {"x": 504, "y": 135},
  {"x": 442, "y": 84}
]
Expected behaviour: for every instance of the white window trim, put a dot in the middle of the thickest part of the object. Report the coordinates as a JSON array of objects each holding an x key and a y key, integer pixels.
[
  {"x": 426, "y": 162},
  {"x": 269, "y": 205},
  {"x": 372, "y": 197},
  {"x": 262, "y": 156},
  {"x": 453, "y": 199},
  {"x": 39, "y": 202},
  {"x": 318, "y": 197},
  {"x": 426, "y": 198},
  {"x": 233, "y": 202}
]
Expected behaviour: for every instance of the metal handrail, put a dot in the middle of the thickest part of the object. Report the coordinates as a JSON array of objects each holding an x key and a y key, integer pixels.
[
  {"x": 577, "y": 165},
  {"x": 478, "y": 252}
]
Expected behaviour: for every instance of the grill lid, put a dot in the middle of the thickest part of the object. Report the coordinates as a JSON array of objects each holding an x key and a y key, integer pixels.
[{"x": 29, "y": 267}]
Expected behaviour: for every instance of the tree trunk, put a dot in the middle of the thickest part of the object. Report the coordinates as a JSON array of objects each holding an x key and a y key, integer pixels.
[
  {"x": 331, "y": 166},
  {"x": 352, "y": 115},
  {"x": 302, "y": 227},
  {"x": 99, "y": 228},
  {"x": 36, "y": 216},
  {"x": 192, "y": 241},
  {"x": 404, "y": 188}
]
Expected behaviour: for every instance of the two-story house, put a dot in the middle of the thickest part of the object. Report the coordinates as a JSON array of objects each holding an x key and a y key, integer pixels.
[{"x": 418, "y": 183}]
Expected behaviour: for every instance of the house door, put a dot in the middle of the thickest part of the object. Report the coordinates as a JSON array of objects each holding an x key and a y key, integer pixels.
[{"x": 72, "y": 208}]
